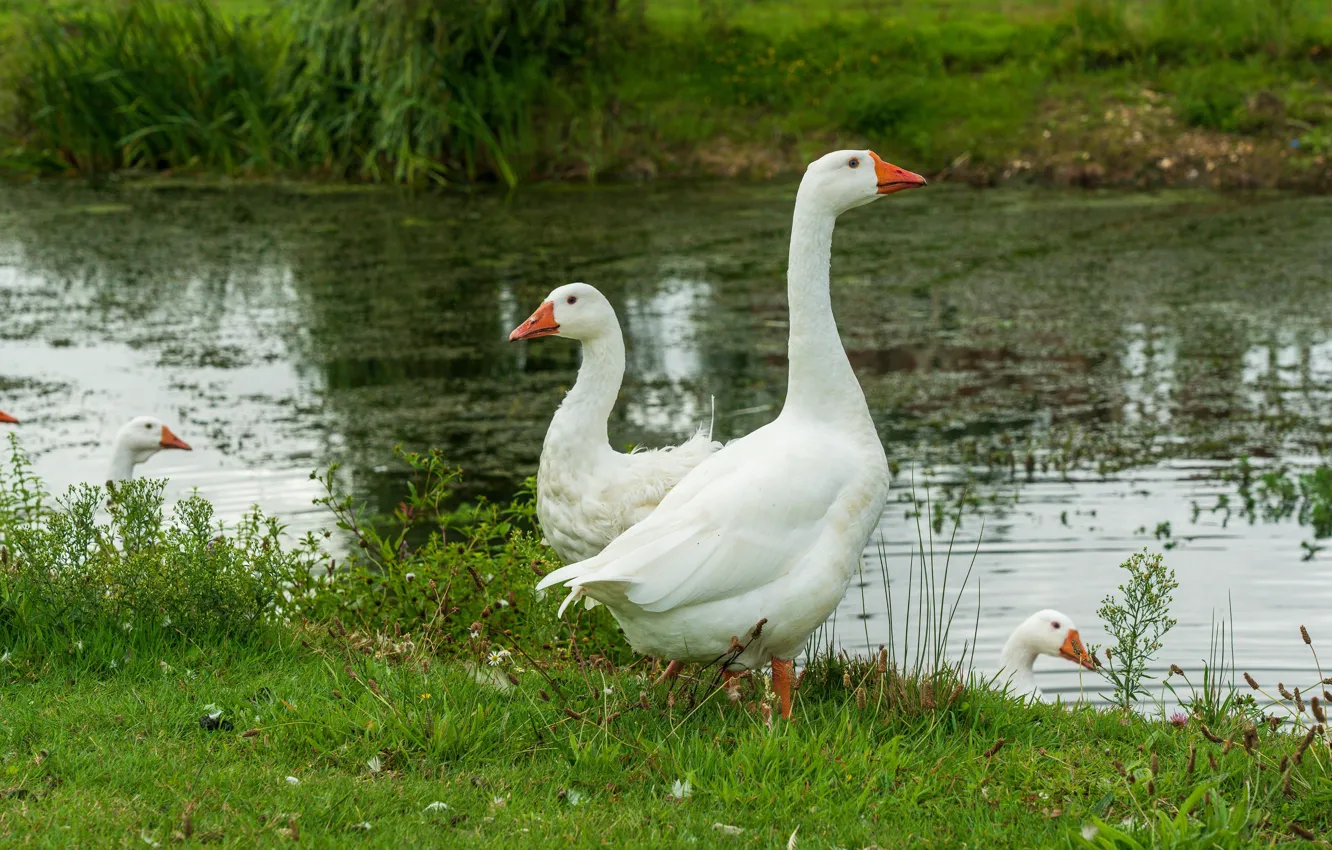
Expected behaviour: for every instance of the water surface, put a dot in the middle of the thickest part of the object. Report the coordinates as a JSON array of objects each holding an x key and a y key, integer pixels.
[{"x": 1126, "y": 347}]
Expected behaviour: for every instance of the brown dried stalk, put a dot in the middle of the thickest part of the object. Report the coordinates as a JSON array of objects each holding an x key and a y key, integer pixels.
[
  {"x": 998, "y": 745},
  {"x": 1304, "y": 745},
  {"x": 1281, "y": 689},
  {"x": 1300, "y": 831},
  {"x": 1193, "y": 758},
  {"x": 1316, "y": 705},
  {"x": 1209, "y": 734},
  {"x": 1250, "y": 738},
  {"x": 1251, "y": 682}
]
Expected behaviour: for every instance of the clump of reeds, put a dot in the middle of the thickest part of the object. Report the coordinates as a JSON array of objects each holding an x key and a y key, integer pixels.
[
  {"x": 432, "y": 89},
  {"x": 149, "y": 84}
]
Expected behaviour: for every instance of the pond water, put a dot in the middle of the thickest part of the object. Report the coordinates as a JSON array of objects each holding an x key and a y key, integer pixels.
[{"x": 1071, "y": 371}]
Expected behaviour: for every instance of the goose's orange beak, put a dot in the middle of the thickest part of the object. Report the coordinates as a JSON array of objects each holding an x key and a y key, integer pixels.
[
  {"x": 1074, "y": 651},
  {"x": 5, "y": 417},
  {"x": 893, "y": 179},
  {"x": 540, "y": 323},
  {"x": 171, "y": 441}
]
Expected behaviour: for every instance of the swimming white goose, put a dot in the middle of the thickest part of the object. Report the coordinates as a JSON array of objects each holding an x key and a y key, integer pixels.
[
  {"x": 139, "y": 439},
  {"x": 771, "y": 528},
  {"x": 588, "y": 493},
  {"x": 1046, "y": 632}
]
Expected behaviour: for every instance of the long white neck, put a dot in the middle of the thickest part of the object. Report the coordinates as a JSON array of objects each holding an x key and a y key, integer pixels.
[
  {"x": 821, "y": 380},
  {"x": 1016, "y": 661},
  {"x": 122, "y": 463},
  {"x": 580, "y": 420}
]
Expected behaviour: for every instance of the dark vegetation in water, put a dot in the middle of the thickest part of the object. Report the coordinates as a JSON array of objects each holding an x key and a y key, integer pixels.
[
  {"x": 1015, "y": 335},
  {"x": 1231, "y": 92}
]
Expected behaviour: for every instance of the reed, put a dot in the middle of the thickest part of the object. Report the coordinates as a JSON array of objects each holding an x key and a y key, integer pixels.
[
  {"x": 150, "y": 85},
  {"x": 431, "y": 90}
]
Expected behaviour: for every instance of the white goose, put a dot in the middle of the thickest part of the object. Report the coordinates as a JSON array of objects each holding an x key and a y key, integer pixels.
[
  {"x": 1046, "y": 632},
  {"x": 139, "y": 439},
  {"x": 588, "y": 493},
  {"x": 770, "y": 528}
]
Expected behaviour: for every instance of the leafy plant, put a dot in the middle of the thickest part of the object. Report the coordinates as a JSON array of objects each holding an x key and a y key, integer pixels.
[
  {"x": 75, "y": 573},
  {"x": 437, "y": 569},
  {"x": 1137, "y": 622}
]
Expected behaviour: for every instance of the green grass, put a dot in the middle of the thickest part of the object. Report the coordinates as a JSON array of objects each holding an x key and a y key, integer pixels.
[{"x": 374, "y": 735}]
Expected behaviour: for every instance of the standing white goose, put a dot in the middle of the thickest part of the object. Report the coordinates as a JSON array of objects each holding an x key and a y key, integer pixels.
[
  {"x": 770, "y": 528},
  {"x": 1046, "y": 632},
  {"x": 139, "y": 439},
  {"x": 588, "y": 493}
]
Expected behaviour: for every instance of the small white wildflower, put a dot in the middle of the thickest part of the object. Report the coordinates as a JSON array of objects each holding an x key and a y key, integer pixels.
[
  {"x": 374, "y": 764},
  {"x": 166, "y": 621},
  {"x": 499, "y": 802},
  {"x": 504, "y": 603},
  {"x": 475, "y": 634},
  {"x": 489, "y": 576},
  {"x": 291, "y": 780},
  {"x": 680, "y": 790},
  {"x": 78, "y": 644},
  {"x": 4, "y": 659},
  {"x": 574, "y": 798},
  {"x": 1089, "y": 831},
  {"x": 148, "y": 839},
  {"x": 608, "y": 690},
  {"x": 498, "y": 656},
  {"x": 436, "y": 806},
  {"x": 410, "y": 577},
  {"x": 129, "y": 627}
]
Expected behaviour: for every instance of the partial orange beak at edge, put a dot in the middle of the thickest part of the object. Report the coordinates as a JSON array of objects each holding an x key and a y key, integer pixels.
[
  {"x": 5, "y": 417},
  {"x": 171, "y": 441},
  {"x": 893, "y": 179},
  {"x": 540, "y": 323},
  {"x": 1074, "y": 651}
]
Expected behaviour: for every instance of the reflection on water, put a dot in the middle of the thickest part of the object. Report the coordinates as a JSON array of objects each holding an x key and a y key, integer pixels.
[{"x": 1078, "y": 333}]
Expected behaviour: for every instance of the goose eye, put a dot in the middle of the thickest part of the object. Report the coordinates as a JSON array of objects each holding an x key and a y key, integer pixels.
[
  {"x": 1055, "y": 624},
  {"x": 573, "y": 299},
  {"x": 148, "y": 426},
  {"x": 854, "y": 162}
]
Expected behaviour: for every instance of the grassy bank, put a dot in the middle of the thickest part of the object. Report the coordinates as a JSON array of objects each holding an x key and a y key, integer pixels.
[
  {"x": 1206, "y": 92},
  {"x": 351, "y": 740},
  {"x": 166, "y": 681}
]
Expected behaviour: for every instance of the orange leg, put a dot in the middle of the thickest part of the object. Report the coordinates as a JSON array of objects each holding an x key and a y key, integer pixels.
[
  {"x": 672, "y": 671},
  {"x": 782, "y": 672}
]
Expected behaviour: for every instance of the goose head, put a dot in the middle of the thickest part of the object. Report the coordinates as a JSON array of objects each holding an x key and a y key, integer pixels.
[
  {"x": 843, "y": 180},
  {"x": 5, "y": 417},
  {"x": 144, "y": 436},
  {"x": 1048, "y": 632},
  {"x": 574, "y": 311}
]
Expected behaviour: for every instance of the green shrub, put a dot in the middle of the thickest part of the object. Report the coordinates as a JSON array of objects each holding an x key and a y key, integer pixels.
[
  {"x": 437, "y": 570},
  {"x": 76, "y": 573}
]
